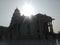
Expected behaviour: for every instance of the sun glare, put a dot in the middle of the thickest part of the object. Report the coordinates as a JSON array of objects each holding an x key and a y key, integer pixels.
[{"x": 27, "y": 10}]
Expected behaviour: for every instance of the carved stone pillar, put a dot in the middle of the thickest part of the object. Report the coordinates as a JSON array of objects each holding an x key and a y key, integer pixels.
[
  {"x": 41, "y": 30},
  {"x": 28, "y": 26},
  {"x": 46, "y": 30},
  {"x": 51, "y": 27}
]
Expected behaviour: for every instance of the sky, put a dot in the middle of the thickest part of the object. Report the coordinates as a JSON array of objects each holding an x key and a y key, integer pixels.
[{"x": 48, "y": 7}]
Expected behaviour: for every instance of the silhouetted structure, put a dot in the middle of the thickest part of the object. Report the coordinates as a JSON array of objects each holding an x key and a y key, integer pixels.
[{"x": 39, "y": 27}]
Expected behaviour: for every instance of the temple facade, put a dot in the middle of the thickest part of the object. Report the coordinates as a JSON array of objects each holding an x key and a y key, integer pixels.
[{"x": 38, "y": 27}]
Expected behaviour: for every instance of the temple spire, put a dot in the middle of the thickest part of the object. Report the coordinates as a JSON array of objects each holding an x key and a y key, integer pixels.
[
  {"x": 15, "y": 17},
  {"x": 17, "y": 12}
]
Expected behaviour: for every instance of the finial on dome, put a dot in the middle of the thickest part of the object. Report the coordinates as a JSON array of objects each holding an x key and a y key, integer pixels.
[{"x": 16, "y": 12}]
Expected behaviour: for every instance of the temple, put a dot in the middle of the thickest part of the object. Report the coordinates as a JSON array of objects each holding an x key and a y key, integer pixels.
[{"x": 39, "y": 27}]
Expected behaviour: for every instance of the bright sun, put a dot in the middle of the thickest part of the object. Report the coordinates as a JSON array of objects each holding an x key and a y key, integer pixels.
[{"x": 27, "y": 10}]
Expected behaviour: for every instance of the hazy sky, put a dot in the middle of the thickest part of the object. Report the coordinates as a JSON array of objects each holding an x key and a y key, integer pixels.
[{"x": 49, "y": 7}]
